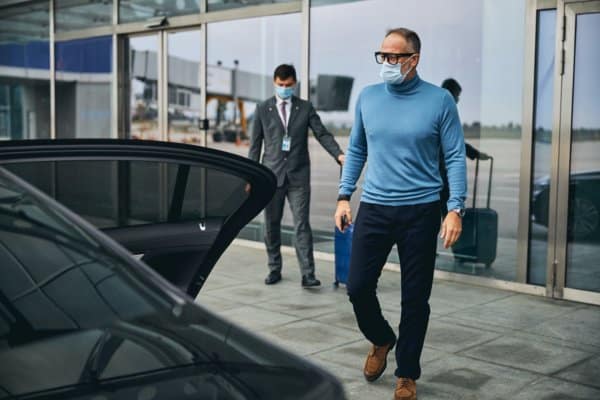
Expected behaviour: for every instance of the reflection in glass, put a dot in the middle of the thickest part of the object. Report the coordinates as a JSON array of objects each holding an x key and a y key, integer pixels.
[
  {"x": 184, "y": 86},
  {"x": 584, "y": 186},
  {"x": 542, "y": 149},
  {"x": 142, "y": 79},
  {"x": 242, "y": 56},
  {"x": 215, "y": 5},
  {"x": 141, "y": 10},
  {"x": 82, "y": 14},
  {"x": 127, "y": 193},
  {"x": 83, "y": 83},
  {"x": 486, "y": 60},
  {"x": 24, "y": 72}
]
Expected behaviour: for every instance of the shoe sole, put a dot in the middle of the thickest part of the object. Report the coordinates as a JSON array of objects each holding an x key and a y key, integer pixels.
[
  {"x": 407, "y": 398},
  {"x": 373, "y": 378}
]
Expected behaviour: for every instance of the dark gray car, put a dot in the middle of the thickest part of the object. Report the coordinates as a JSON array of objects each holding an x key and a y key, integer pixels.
[{"x": 80, "y": 318}]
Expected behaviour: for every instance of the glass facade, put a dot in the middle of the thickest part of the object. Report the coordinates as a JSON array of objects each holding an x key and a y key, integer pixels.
[
  {"x": 143, "y": 10},
  {"x": 476, "y": 54},
  {"x": 160, "y": 93},
  {"x": 217, "y": 5},
  {"x": 142, "y": 87},
  {"x": 25, "y": 72},
  {"x": 184, "y": 60},
  {"x": 584, "y": 184},
  {"x": 83, "y": 83},
  {"x": 74, "y": 15}
]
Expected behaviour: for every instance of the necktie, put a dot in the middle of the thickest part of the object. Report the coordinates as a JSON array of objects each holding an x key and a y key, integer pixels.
[{"x": 284, "y": 114}]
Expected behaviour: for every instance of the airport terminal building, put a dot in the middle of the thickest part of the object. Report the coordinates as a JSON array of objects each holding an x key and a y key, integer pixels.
[{"x": 192, "y": 71}]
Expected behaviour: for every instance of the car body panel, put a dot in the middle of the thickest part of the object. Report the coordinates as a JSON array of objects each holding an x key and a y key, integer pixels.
[{"x": 92, "y": 322}]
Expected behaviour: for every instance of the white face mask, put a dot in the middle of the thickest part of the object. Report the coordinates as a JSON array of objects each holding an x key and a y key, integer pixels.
[{"x": 392, "y": 74}]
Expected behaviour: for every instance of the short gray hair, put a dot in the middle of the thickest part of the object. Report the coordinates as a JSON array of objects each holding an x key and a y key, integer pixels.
[{"x": 411, "y": 37}]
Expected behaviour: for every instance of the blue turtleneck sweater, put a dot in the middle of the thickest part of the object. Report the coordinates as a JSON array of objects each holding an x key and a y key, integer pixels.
[{"x": 399, "y": 130}]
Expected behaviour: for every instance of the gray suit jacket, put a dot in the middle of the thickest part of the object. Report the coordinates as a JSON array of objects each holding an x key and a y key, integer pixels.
[{"x": 269, "y": 129}]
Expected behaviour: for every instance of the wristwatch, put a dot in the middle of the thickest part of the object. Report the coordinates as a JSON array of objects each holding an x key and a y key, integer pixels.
[{"x": 459, "y": 211}]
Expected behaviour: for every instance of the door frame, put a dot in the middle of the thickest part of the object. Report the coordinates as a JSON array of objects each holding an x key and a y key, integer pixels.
[{"x": 567, "y": 11}]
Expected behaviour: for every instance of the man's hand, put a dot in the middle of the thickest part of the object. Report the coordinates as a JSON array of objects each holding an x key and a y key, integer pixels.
[
  {"x": 343, "y": 208},
  {"x": 248, "y": 188},
  {"x": 451, "y": 229},
  {"x": 341, "y": 159}
]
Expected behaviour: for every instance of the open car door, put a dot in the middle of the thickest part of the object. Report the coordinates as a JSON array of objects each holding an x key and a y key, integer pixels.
[{"x": 178, "y": 206}]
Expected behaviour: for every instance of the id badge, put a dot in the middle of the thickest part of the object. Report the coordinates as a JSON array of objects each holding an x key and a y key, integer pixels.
[{"x": 286, "y": 143}]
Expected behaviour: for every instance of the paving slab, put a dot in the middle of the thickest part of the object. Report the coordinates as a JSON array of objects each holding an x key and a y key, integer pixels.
[
  {"x": 470, "y": 378},
  {"x": 517, "y": 311},
  {"x": 581, "y": 325},
  {"x": 586, "y": 372},
  {"x": 452, "y": 338},
  {"x": 256, "y": 319},
  {"x": 309, "y": 337},
  {"x": 535, "y": 356},
  {"x": 554, "y": 389}
]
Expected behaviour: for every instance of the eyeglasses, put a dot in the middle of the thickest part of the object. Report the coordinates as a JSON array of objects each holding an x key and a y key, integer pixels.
[{"x": 392, "y": 58}]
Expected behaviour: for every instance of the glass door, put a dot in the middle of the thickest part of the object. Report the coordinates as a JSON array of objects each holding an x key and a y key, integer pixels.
[
  {"x": 578, "y": 194},
  {"x": 161, "y": 76},
  {"x": 141, "y": 83},
  {"x": 184, "y": 72}
]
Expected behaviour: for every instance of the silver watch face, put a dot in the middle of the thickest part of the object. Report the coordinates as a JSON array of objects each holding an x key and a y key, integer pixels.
[{"x": 460, "y": 211}]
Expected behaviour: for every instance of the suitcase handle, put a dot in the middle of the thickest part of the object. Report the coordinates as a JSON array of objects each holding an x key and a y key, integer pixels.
[{"x": 489, "y": 191}]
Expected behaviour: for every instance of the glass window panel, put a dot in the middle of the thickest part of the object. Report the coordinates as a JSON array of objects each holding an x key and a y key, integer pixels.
[
  {"x": 242, "y": 56},
  {"x": 584, "y": 186},
  {"x": 141, "y": 69},
  {"x": 486, "y": 60},
  {"x": 216, "y": 5},
  {"x": 24, "y": 72},
  {"x": 542, "y": 150},
  {"x": 127, "y": 193},
  {"x": 83, "y": 88},
  {"x": 82, "y": 14},
  {"x": 141, "y": 10},
  {"x": 184, "y": 86}
]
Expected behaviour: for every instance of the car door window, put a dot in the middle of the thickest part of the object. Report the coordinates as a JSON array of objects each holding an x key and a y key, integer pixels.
[{"x": 113, "y": 194}]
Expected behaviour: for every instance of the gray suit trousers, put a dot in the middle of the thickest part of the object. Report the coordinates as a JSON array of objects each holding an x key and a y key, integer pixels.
[{"x": 299, "y": 199}]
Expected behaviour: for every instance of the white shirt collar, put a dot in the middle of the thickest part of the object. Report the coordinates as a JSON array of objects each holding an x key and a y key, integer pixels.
[{"x": 280, "y": 100}]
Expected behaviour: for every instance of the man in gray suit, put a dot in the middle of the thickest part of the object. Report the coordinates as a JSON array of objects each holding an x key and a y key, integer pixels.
[{"x": 282, "y": 123}]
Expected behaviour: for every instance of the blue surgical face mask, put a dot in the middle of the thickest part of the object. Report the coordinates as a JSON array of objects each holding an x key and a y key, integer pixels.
[
  {"x": 392, "y": 74},
  {"x": 284, "y": 92}
]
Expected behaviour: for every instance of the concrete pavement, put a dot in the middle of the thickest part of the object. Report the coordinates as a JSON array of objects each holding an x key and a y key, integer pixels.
[{"x": 482, "y": 343}]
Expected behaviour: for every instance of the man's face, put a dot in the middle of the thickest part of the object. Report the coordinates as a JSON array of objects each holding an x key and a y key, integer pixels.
[
  {"x": 289, "y": 82},
  {"x": 397, "y": 44}
]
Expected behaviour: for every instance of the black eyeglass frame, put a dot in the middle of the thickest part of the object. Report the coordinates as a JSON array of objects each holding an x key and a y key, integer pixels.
[{"x": 385, "y": 56}]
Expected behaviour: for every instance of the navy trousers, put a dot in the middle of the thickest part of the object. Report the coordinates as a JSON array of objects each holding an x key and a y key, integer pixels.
[{"x": 414, "y": 229}]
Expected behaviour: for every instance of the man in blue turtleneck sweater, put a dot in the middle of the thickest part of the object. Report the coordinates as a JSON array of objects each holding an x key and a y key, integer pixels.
[{"x": 400, "y": 128}]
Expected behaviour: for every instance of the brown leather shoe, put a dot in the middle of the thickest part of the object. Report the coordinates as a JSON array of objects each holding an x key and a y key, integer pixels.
[
  {"x": 406, "y": 389},
  {"x": 376, "y": 361}
]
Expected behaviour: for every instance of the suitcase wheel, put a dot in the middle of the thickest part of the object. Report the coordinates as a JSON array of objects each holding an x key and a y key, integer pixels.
[{"x": 336, "y": 284}]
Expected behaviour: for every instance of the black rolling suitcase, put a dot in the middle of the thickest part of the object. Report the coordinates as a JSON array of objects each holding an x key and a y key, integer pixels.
[{"x": 479, "y": 238}]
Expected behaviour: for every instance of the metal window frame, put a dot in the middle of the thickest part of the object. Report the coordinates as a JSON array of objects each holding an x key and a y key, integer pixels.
[
  {"x": 52, "y": 70},
  {"x": 527, "y": 138}
]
